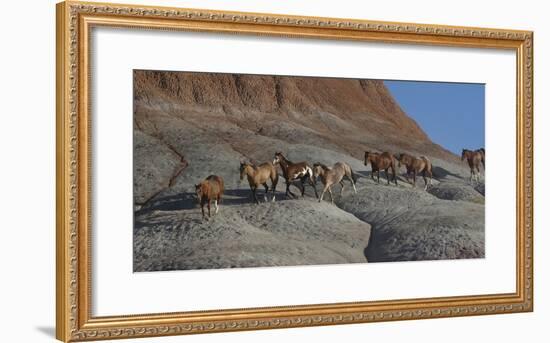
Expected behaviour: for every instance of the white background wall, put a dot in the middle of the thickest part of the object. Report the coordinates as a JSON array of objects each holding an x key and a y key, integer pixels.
[{"x": 27, "y": 169}]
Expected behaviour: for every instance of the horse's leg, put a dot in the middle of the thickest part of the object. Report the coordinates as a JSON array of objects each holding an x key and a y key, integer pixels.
[
  {"x": 378, "y": 175},
  {"x": 274, "y": 187},
  {"x": 266, "y": 191},
  {"x": 323, "y": 193},
  {"x": 350, "y": 177},
  {"x": 288, "y": 191},
  {"x": 414, "y": 178},
  {"x": 394, "y": 174},
  {"x": 425, "y": 180},
  {"x": 312, "y": 183},
  {"x": 254, "y": 194},
  {"x": 209, "y": 208},
  {"x": 342, "y": 189},
  {"x": 216, "y": 206},
  {"x": 330, "y": 193},
  {"x": 202, "y": 209},
  {"x": 303, "y": 184},
  {"x": 387, "y": 175}
]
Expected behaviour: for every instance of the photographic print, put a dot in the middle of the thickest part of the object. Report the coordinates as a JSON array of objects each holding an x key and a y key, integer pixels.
[
  {"x": 237, "y": 171},
  {"x": 297, "y": 175}
]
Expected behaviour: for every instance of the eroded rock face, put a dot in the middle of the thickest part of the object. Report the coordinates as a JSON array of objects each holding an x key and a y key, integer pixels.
[
  {"x": 190, "y": 125},
  {"x": 155, "y": 166},
  {"x": 247, "y": 98}
]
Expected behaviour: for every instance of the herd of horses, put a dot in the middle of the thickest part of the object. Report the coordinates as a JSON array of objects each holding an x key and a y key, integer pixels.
[{"x": 212, "y": 188}]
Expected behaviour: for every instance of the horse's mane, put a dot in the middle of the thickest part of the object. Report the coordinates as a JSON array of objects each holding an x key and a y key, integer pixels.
[
  {"x": 325, "y": 167},
  {"x": 283, "y": 157},
  {"x": 373, "y": 154},
  {"x": 250, "y": 163},
  {"x": 406, "y": 155}
]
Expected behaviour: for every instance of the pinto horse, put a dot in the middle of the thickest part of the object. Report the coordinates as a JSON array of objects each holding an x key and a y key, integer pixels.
[
  {"x": 295, "y": 171},
  {"x": 211, "y": 188},
  {"x": 474, "y": 158},
  {"x": 334, "y": 175},
  {"x": 258, "y": 175},
  {"x": 384, "y": 161},
  {"x": 417, "y": 165}
]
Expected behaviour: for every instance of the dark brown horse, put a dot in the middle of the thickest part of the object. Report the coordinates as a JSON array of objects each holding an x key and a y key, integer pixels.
[
  {"x": 474, "y": 158},
  {"x": 209, "y": 189},
  {"x": 417, "y": 165},
  {"x": 384, "y": 161},
  {"x": 295, "y": 171},
  {"x": 258, "y": 175}
]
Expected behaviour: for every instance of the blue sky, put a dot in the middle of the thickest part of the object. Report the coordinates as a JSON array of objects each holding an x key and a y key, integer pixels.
[{"x": 451, "y": 114}]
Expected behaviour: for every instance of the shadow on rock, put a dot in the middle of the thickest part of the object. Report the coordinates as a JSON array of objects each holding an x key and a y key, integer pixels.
[
  {"x": 441, "y": 173},
  {"x": 373, "y": 251},
  {"x": 188, "y": 201}
]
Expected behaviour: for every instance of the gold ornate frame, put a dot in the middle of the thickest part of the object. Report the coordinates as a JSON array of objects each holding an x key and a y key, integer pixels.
[{"x": 74, "y": 321}]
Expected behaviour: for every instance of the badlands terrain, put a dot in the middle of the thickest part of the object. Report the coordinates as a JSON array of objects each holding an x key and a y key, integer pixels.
[{"x": 190, "y": 125}]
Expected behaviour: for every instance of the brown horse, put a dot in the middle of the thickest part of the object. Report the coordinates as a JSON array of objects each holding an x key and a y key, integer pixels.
[
  {"x": 295, "y": 171},
  {"x": 417, "y": 165},
  {"x": 384, "y": 161},
  {"x": 474, "y": 158},
  {"x": 209, "y": 189},
  {"x": 331, "y": 176},
  {"x": 258, "y": 175}
]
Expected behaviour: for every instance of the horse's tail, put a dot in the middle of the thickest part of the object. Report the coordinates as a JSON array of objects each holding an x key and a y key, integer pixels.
[
  {"x": 429, "y": 165},
  {"x": 275, "y": 179},
  {"x": 396, "y": 161},
  {"x": 311, "y": 175},
  {"x": 273, "y": 175}
]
